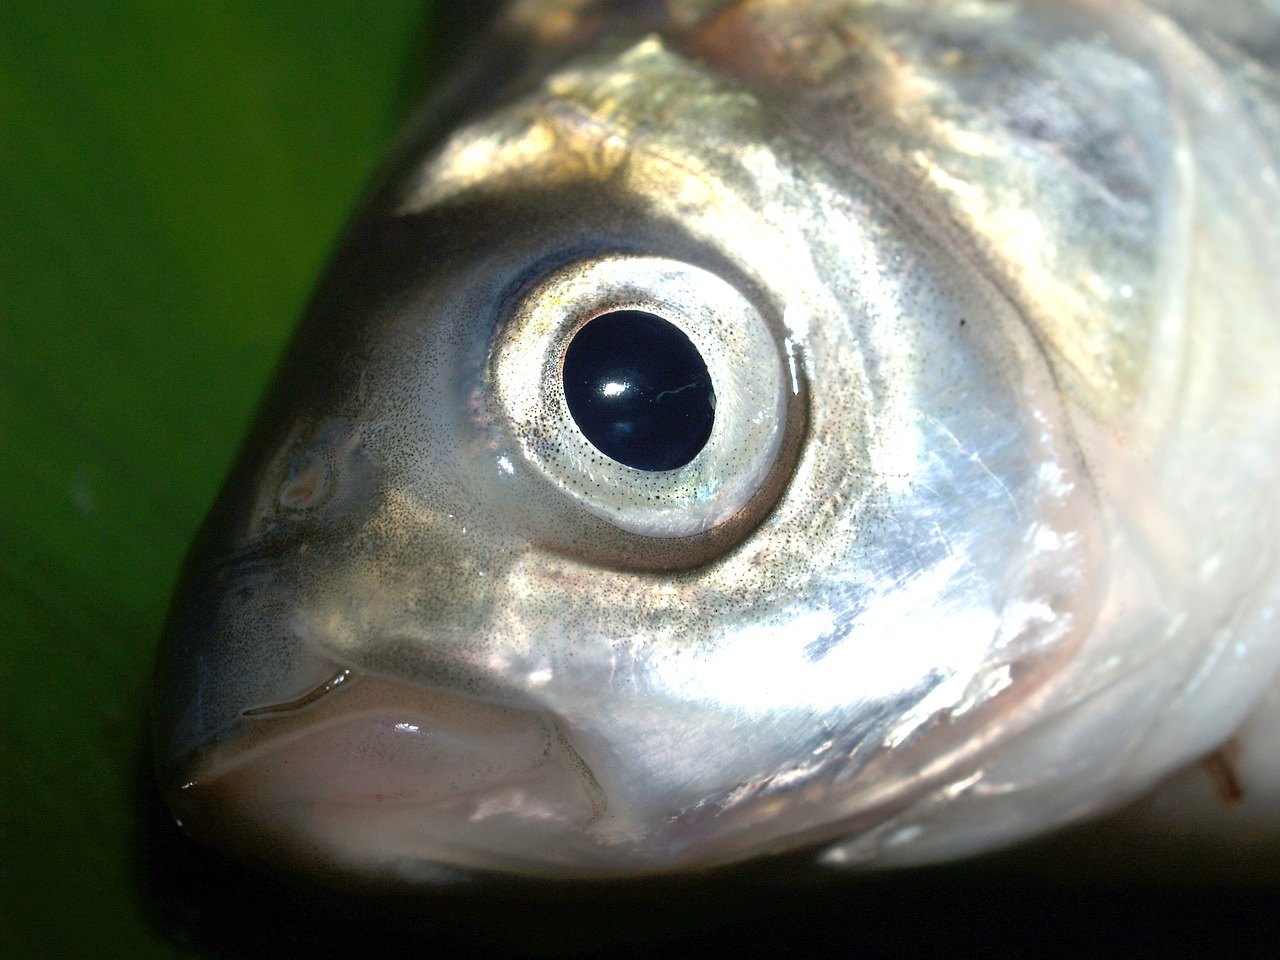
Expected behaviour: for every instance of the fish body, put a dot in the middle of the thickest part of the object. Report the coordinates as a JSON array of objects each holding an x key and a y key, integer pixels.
[{"x": 979, "y": 537}]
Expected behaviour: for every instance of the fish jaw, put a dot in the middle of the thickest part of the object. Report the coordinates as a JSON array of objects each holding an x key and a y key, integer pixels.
[{"x": 392, "y": 783}]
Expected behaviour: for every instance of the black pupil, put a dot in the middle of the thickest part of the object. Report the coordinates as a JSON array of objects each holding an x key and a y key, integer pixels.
[{"x": 639, "y": 390}]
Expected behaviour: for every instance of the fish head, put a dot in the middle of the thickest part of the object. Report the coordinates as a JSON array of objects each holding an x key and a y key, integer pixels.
[{"x": 447, "y": 618}]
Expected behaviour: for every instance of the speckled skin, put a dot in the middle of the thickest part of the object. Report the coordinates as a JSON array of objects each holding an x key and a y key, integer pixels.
[{"x": 985, "y": 539}]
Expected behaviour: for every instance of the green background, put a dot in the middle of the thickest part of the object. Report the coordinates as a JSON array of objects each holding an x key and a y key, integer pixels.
[{"x": 171, "y": 176}]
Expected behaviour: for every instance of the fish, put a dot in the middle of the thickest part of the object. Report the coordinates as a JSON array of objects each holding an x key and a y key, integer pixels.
[{"x": 730, "y": 430}]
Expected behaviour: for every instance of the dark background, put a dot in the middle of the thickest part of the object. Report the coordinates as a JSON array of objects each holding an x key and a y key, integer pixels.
[{"x": 171, "y": 176}]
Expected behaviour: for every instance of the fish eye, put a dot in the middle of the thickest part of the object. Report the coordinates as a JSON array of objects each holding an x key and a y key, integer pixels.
[
  {"x": 648, "y": 390},
  {"x": 639, "y": 390}
]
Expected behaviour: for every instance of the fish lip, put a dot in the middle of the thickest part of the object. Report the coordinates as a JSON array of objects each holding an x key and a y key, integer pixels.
[{"x": 366, "y": 778}]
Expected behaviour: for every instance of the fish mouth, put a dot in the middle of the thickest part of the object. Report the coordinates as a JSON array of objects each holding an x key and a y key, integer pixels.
[{"x": 381, "y": 780}]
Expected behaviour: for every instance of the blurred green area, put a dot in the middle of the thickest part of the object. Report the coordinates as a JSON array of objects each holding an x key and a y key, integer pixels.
[{"x": 171, "y": 176}]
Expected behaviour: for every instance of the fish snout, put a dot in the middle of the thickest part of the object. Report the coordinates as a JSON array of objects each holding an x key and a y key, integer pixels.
[
  {"x": 270, "y": 746},
  {"x": 230, "y": 648}
]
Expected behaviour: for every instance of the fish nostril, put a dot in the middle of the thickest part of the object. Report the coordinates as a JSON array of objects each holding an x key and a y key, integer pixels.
[
  {"x": 331, "y": 473},
  {"x": 305, "y": 484}
]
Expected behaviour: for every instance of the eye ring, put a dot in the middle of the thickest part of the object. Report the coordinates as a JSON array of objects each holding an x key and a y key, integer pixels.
[{"x": 525, "y": 377}]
